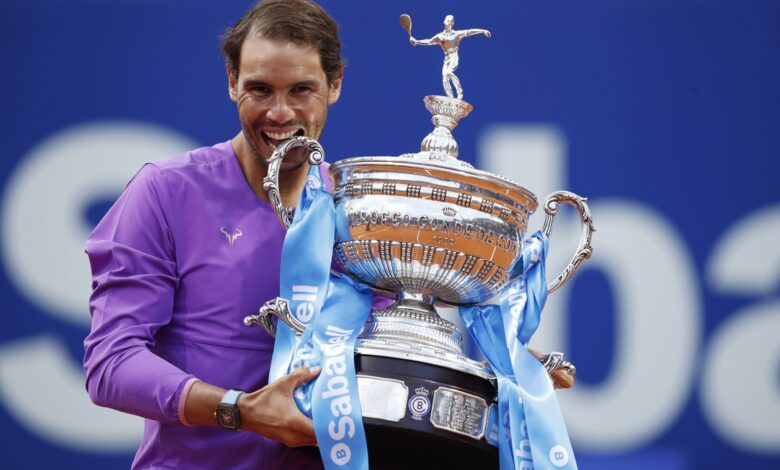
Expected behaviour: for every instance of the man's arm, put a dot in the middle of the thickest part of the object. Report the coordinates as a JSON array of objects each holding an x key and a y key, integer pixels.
[
  {"x": 134, "y": 279},
  {"x": 270, "y": 411}
]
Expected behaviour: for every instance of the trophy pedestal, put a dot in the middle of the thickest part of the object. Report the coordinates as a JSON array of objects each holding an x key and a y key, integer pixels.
[
  {"x": 431, "y": 416},
  {"x": 411, "y": 329}
]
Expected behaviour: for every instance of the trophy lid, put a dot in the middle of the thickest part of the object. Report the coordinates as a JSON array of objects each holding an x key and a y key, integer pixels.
[
  {"x": 460, "y": 173},
  {"x": 439, "y": 149}
]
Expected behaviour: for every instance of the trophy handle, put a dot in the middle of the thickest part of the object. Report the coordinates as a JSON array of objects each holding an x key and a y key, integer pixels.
[
  {"x": 278, "y": 307},
  {"x": 271, "y": 181},
  {"x": 584, "y": 249}
]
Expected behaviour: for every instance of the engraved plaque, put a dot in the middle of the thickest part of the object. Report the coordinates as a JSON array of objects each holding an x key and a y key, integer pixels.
[
  {"x": 382, "y": 398},
  {"x": 459, "y": 412}
]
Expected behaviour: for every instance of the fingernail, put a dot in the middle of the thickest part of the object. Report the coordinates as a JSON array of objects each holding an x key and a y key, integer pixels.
[{"x": 315, "y": 370}]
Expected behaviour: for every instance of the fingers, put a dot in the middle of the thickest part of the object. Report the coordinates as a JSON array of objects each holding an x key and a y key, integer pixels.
[
  {"x": 562, "y": 379},
  {"x": 272, "y": 412},
  {"x": 302, "y": 375}
]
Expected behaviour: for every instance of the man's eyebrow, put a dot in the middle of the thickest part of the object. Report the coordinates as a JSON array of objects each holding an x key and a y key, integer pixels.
[
  {"x": 305, "y": 83},
  {"x": 248, "y": 83},
  {"x": 253, "y": 82}
]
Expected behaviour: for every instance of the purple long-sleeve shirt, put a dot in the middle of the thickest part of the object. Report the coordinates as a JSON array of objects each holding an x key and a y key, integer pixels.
[{"x": 186, "y": 252}]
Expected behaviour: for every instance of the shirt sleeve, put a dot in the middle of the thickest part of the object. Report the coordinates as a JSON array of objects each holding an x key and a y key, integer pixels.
[{"x": 134, "y": 277}]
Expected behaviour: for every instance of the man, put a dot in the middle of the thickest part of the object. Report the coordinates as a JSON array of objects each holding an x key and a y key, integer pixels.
[
  {"x": 192, "y": 246},
  {"x": 449, "y": 40}
]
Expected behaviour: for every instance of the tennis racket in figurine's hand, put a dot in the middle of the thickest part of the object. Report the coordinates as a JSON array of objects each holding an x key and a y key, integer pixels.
[{"x": 406, "y": 24}]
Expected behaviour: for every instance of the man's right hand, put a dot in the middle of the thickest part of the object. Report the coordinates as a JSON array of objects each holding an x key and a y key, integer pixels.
[{"x": 272, "y": 412}]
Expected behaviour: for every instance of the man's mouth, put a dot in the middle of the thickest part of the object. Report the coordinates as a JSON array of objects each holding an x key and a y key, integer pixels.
[{"x": 275, "y": 137}]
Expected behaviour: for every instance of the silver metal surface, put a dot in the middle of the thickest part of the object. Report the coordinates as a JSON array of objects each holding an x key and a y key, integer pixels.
[
  {"x": 449, "y": 40},
  {"x": 555, "y": 361},
  {"x": 584, "y": 248},
  {"x": 452, "y": 233},
  {"x": 459, "y": 412},
  {"x": 382, "y": 398},
  {"x": 446, "y": 112},
  {"x": 279, "y": 308},
  {"x": 271, "y": 181}
]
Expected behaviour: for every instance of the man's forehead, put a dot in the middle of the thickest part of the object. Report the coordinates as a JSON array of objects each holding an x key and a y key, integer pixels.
[{"x": 281, "y": 56}]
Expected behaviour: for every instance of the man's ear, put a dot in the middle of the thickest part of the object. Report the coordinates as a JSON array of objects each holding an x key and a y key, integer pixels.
[
  {"x": 335, "y": 87},
  {"x": 232, "y": 83}
]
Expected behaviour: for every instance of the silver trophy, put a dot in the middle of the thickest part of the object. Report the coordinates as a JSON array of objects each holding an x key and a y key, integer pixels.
[{"x": 427, "y": 228}]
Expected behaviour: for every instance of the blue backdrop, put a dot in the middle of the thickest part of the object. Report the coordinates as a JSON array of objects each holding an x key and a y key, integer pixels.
[{"x": 666, "y": 114}]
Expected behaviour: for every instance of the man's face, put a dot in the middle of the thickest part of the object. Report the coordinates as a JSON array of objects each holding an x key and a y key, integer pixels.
[
  {"x": 281, "y": 91},
  {"x": 449, "y": 21}
]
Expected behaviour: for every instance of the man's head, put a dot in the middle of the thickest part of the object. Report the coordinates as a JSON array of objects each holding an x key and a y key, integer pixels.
[
  {"x": 284, "y": 66},
  {"x": 298, "y": 21},
  {"x": 449, "y": 22}
]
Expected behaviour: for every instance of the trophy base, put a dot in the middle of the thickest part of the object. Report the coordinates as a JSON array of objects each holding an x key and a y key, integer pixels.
[{"x": 424, "y": 416}]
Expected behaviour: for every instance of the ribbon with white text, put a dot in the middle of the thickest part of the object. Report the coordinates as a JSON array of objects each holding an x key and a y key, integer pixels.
[
  {"x": 532, "y": 432},
  {"x": 306, "y": 255},
  {"x": 334, "y": 312}
]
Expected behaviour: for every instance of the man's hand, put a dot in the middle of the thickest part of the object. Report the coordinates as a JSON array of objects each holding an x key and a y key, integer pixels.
[
  {"x": 561, "y": 378},
  {"x": 272, "y": 412}
]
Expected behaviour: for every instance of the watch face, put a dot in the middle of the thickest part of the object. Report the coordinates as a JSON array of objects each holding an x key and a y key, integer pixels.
[{"x": 226, "y": 417}]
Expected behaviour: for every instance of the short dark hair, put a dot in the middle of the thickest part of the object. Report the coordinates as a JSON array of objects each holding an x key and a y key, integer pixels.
[{"x": 298, "y": 21}]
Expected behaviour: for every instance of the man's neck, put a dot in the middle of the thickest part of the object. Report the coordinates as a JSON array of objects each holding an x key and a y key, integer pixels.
[{"x": 290, "y": 182}]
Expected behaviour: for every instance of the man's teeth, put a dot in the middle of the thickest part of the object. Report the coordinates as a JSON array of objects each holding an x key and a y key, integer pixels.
[{"x": 281, "y": 135}]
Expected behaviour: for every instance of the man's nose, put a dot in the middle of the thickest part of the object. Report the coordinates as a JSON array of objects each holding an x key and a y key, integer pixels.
[{"x": 281, "y": 109}]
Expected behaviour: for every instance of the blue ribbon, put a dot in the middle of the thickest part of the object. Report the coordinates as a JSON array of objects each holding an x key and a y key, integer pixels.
[
  {"x": 305, "y": 273},
  {"x": 334, "y": 308},
  {"x": 531, "y": 427},
  {"x": 338, "y": 420}
]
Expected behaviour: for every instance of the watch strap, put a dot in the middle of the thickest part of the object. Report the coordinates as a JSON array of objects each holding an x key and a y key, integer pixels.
[{"x": 231, "y": 397}]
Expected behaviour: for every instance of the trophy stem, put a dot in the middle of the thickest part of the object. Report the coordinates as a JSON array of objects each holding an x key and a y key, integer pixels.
[
  {"x": 424, "y": 303},
  {"x": 412, "y": 318}
]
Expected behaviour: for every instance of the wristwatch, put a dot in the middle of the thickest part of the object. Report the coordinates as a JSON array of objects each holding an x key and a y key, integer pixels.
[{"x": 228, "y": 415}]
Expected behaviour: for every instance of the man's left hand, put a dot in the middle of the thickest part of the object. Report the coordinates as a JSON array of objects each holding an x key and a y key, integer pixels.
[{"x": 562, "y": 378}]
